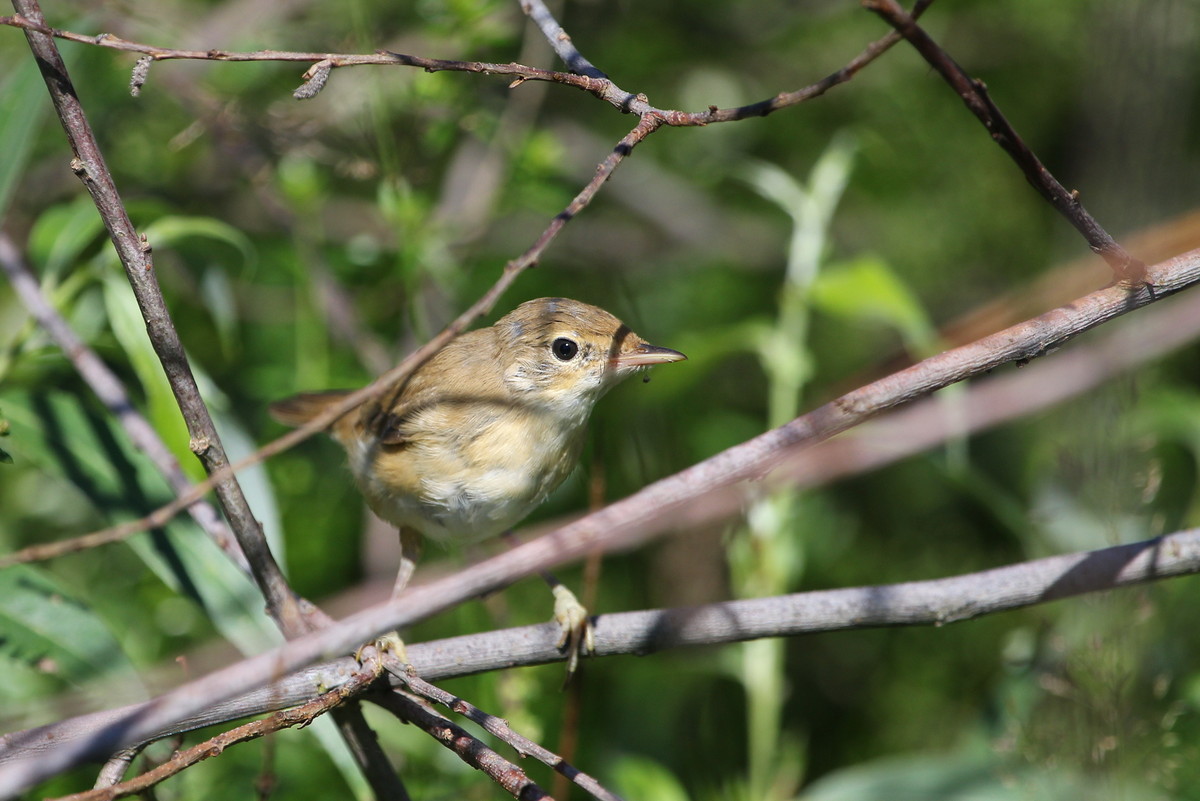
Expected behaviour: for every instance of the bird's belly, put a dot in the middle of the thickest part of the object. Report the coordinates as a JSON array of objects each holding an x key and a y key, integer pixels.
[{"x": 469, "y": 489}]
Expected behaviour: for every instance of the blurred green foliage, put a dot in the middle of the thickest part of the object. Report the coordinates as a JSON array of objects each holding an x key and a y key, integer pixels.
[{"x": 307, "y": 245}]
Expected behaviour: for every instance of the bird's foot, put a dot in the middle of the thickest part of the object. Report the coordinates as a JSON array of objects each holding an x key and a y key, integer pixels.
[
  {"x": 385, "y": 644},
  {"x": 572, "y": 617}
]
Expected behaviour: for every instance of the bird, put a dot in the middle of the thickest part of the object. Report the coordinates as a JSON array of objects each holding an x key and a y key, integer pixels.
[{"x": 479, "y": 435}]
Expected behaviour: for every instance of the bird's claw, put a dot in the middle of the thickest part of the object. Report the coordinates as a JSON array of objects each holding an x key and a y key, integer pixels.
[
  {"x": 387, "y": 643},
  {"x": 577, "y": 636}
]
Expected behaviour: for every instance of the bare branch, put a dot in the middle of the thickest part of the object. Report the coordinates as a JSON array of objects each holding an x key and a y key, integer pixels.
[
  {"x": 499, "y": 727},
  {"x": 674, "y": 502},
  {"x": 1158, "y": 330},
  {"x": 974, "y": 94},
  {"x": 586, "y": 78},
  {"x": 323, "y": 62},
  {"x": 564, "y": 48},
  {"x": 468, "y": 748},
  {"x": 786, "y": 99},
  {"x": 214, "y": 746}
]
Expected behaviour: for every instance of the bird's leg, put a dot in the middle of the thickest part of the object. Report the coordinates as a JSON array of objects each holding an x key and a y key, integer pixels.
[
  {"x": 576, "y": 637},
  {"x": 410, "y": 552}
]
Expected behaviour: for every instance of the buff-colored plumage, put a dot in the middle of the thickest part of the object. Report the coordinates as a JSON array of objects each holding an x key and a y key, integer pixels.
[{"x": 481, "y": 433}]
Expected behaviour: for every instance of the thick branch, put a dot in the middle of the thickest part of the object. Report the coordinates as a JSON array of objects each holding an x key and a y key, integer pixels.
[{"x": 667, "y": 503}]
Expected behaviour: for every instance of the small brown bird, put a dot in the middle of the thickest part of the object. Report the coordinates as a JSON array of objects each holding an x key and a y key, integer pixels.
[{"x": 482, "y": 432}]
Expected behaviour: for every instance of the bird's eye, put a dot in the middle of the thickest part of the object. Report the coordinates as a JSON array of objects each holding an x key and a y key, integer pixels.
[{"x": 564, "y": 349}]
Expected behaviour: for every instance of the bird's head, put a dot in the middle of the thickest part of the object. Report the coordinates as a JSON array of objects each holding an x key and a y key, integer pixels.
[{"x": 566, "y": 354}]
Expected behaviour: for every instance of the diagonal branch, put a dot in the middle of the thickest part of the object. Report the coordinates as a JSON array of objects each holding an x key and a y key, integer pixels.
[
  {"x": 499, "y": 728},
  {"x": 975, "y": 95},
  {"x": 564, "y": 48},
  {"x": 134, "y": 253},
  {"x": 297, "y": 717},
  {"x": 468, "y": 748}
]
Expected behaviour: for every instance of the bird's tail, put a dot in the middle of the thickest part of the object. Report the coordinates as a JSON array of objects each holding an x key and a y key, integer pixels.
[{"x": 299, "y": 409}]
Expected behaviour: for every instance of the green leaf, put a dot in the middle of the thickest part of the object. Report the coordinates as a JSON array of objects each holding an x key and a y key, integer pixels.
[
  {"x": 170, "y": 231},
  {"x": 61, "y": 235},
  {"x": 23, "y": 108},
  {"x": 43, "y": 626},
  {"x": 128, "y": 326},
  {"x": 868, "y": 289},
  {"x": 61, "y": 434},
  {"x": 638, "y": 777}
]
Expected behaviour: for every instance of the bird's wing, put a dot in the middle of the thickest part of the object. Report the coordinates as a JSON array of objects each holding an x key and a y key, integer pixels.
[{"x": 468, "y": 368}]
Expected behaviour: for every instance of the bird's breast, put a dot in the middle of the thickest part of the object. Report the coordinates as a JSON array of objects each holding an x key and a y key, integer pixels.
[{"x": 467, "y": 474}]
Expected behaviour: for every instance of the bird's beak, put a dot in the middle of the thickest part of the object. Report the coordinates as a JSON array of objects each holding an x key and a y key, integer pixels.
[{"x": 644, "y": 355}]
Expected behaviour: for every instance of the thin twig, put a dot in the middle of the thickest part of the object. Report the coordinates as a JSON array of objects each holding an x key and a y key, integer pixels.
[
  {"x": 322, "y": 63},
  {"x": 558, "y": 38},
  {"x": 787, "y": 99},
  {"x": 468, "y": 748},
  {"x": 601, "y": 87},
  {"x": 497, "y": 727},
  {"x": 300, "y": 716},
  {"x": 975, "y": 95}
]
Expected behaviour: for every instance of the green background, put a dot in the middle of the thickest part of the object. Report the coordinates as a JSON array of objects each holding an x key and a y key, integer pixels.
[{"x": 308, "y": 245}]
